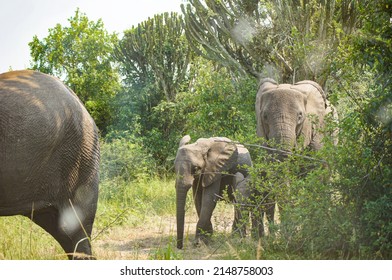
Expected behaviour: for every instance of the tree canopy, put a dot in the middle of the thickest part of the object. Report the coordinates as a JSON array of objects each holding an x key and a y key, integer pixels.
[
  {"x": 81, "y": 55},
  {"x": 156, "y": 51},
  {"x": 292, "y": 40}
]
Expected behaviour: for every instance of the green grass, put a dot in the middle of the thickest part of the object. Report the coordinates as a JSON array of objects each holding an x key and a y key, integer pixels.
[
  {"x": 21, "y": 239},
  {"x": 135, "y": 220},
  {"x": 121, "y": 204}
]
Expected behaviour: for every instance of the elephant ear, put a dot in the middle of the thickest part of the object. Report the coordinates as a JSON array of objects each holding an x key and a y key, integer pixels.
[
  {"x": 313, "y": 91},
  {"x": 184, "y": 140},
  {"x": 221, "y": 156},
  {"x": 315, "y": 107},
  {"x": 265, "y": 85}
]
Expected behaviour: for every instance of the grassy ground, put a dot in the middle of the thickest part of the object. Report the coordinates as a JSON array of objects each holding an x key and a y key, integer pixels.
[{"x": 134, "y": 221}]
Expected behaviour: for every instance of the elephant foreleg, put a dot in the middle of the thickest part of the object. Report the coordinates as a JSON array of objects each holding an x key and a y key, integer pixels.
[{"x": 208, "y": 202}]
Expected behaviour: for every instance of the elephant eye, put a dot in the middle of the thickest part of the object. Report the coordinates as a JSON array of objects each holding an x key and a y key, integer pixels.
[
  {"x": 300, "y": 117},
  {"x": 196, "y": 170}
]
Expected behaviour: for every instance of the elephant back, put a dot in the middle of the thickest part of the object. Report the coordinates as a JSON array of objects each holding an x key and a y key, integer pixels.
[{"x": 44, "y": 128}]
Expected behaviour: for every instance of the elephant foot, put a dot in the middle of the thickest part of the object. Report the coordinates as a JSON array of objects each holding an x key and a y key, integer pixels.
[
  {"x": 201, "y": 240},
  {"x": 197, "y": 243}
]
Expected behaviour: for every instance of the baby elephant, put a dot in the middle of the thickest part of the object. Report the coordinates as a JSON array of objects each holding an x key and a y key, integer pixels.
[{"x": 209, "y": 167}]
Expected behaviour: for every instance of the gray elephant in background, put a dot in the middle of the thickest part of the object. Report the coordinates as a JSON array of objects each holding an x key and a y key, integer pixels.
[
  {"x": 209, "y": 167},
  {"x": 286, "y": 112},
  {"x": 49, "y": 158}
]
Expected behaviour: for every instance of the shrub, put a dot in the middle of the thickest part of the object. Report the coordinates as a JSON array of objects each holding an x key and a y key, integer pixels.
[{"x": 126, "y": 158}]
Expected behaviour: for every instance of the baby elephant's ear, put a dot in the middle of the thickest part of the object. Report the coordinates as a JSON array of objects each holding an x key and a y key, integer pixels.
[
  {"x": 184, "y": 140},
  {"x": 221, "y": 157}
]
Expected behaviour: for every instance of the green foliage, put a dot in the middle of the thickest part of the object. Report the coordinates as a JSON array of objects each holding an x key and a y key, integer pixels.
[
  {"x": 167, "y": 253},
  {"x": 294, "y": 38},
  {"x": 81, "y": 55},
  {"x": 156, "y": 51},
  {"x": 218, "y": 105},
  {"x": 125, "y": 158},
  {"x": 162, "y": 139},
  {"x": 371, "y": 189}
]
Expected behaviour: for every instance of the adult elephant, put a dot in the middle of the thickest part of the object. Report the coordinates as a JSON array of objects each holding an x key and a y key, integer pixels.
[
  {"x": 285, "y": 112},
  {"x": 49, "y": 158},
  {"x": 288, "y": 112},
  {"x": 209, "y": 167}
]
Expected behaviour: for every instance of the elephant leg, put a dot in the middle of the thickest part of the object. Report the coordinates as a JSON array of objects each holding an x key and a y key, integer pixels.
[
  {"x": 204, "y": 226},
  {"x": 48, "y": 219},
  {"x": 75, "y": 242},
  {"x": 241, "y": 211}
]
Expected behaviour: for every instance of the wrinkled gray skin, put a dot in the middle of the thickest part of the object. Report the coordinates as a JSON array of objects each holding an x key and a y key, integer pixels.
[
  {"x": 287, "y": 112},
  {"x": 49, "y": 158},
  {"x": 209, "y": 167}
]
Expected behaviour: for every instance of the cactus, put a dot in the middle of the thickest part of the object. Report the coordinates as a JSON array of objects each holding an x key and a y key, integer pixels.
[{"x": 156, "y": 51}]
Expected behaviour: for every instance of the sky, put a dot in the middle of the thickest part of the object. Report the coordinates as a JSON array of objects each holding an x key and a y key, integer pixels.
[{"x": 20, "y": 20}]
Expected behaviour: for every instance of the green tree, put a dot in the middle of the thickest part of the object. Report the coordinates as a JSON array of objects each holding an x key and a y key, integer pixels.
[
  {"x": 372, "y": 54},
  {"x": 218, "y": 104},
  {"x": 292, "y": 40},
  {"x": 155, "y": 60},
  {"x": 156, "y": 51},
  {"x": 81, "y": 55}
]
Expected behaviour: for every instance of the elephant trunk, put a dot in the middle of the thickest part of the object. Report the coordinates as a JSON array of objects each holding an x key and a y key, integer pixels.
[
  {"x": 285, "y": 137},
  {"x": 181, "y": 194}
]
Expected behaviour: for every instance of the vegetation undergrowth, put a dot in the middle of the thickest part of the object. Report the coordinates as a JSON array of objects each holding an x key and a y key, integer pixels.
[{"x": 335, "y": 204}]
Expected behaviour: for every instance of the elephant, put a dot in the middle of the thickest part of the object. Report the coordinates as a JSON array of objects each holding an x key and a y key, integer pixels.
[
  {"x": 285, "y": 112},
  {"x": 49, "y": 158},
  {"x": 208, "y": 166}
]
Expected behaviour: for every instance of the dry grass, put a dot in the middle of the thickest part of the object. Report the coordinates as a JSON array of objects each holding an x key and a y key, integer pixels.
[{"x": 158, "y": 234}]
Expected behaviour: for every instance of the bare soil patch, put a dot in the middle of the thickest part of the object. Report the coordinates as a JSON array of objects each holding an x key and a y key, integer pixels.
[{"x": 157, "y": 235}]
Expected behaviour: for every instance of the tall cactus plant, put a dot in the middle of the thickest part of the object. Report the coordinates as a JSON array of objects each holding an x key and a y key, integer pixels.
[{"x": 156, "y": 51}]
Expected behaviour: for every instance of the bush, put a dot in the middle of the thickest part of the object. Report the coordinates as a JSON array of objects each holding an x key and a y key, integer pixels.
[
  {"x": 125, "y": 157},
  {"x": 219, "y": 105},
  {"x": 337, "y": 206}
]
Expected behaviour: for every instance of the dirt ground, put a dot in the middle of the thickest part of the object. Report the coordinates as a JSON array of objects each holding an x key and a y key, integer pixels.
[{"x": 157, "y": 236}]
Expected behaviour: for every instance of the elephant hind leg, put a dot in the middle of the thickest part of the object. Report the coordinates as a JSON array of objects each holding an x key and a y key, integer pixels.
[
  {"x": 51, "y": 221},
  {"x": 48, "y": 219}
]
